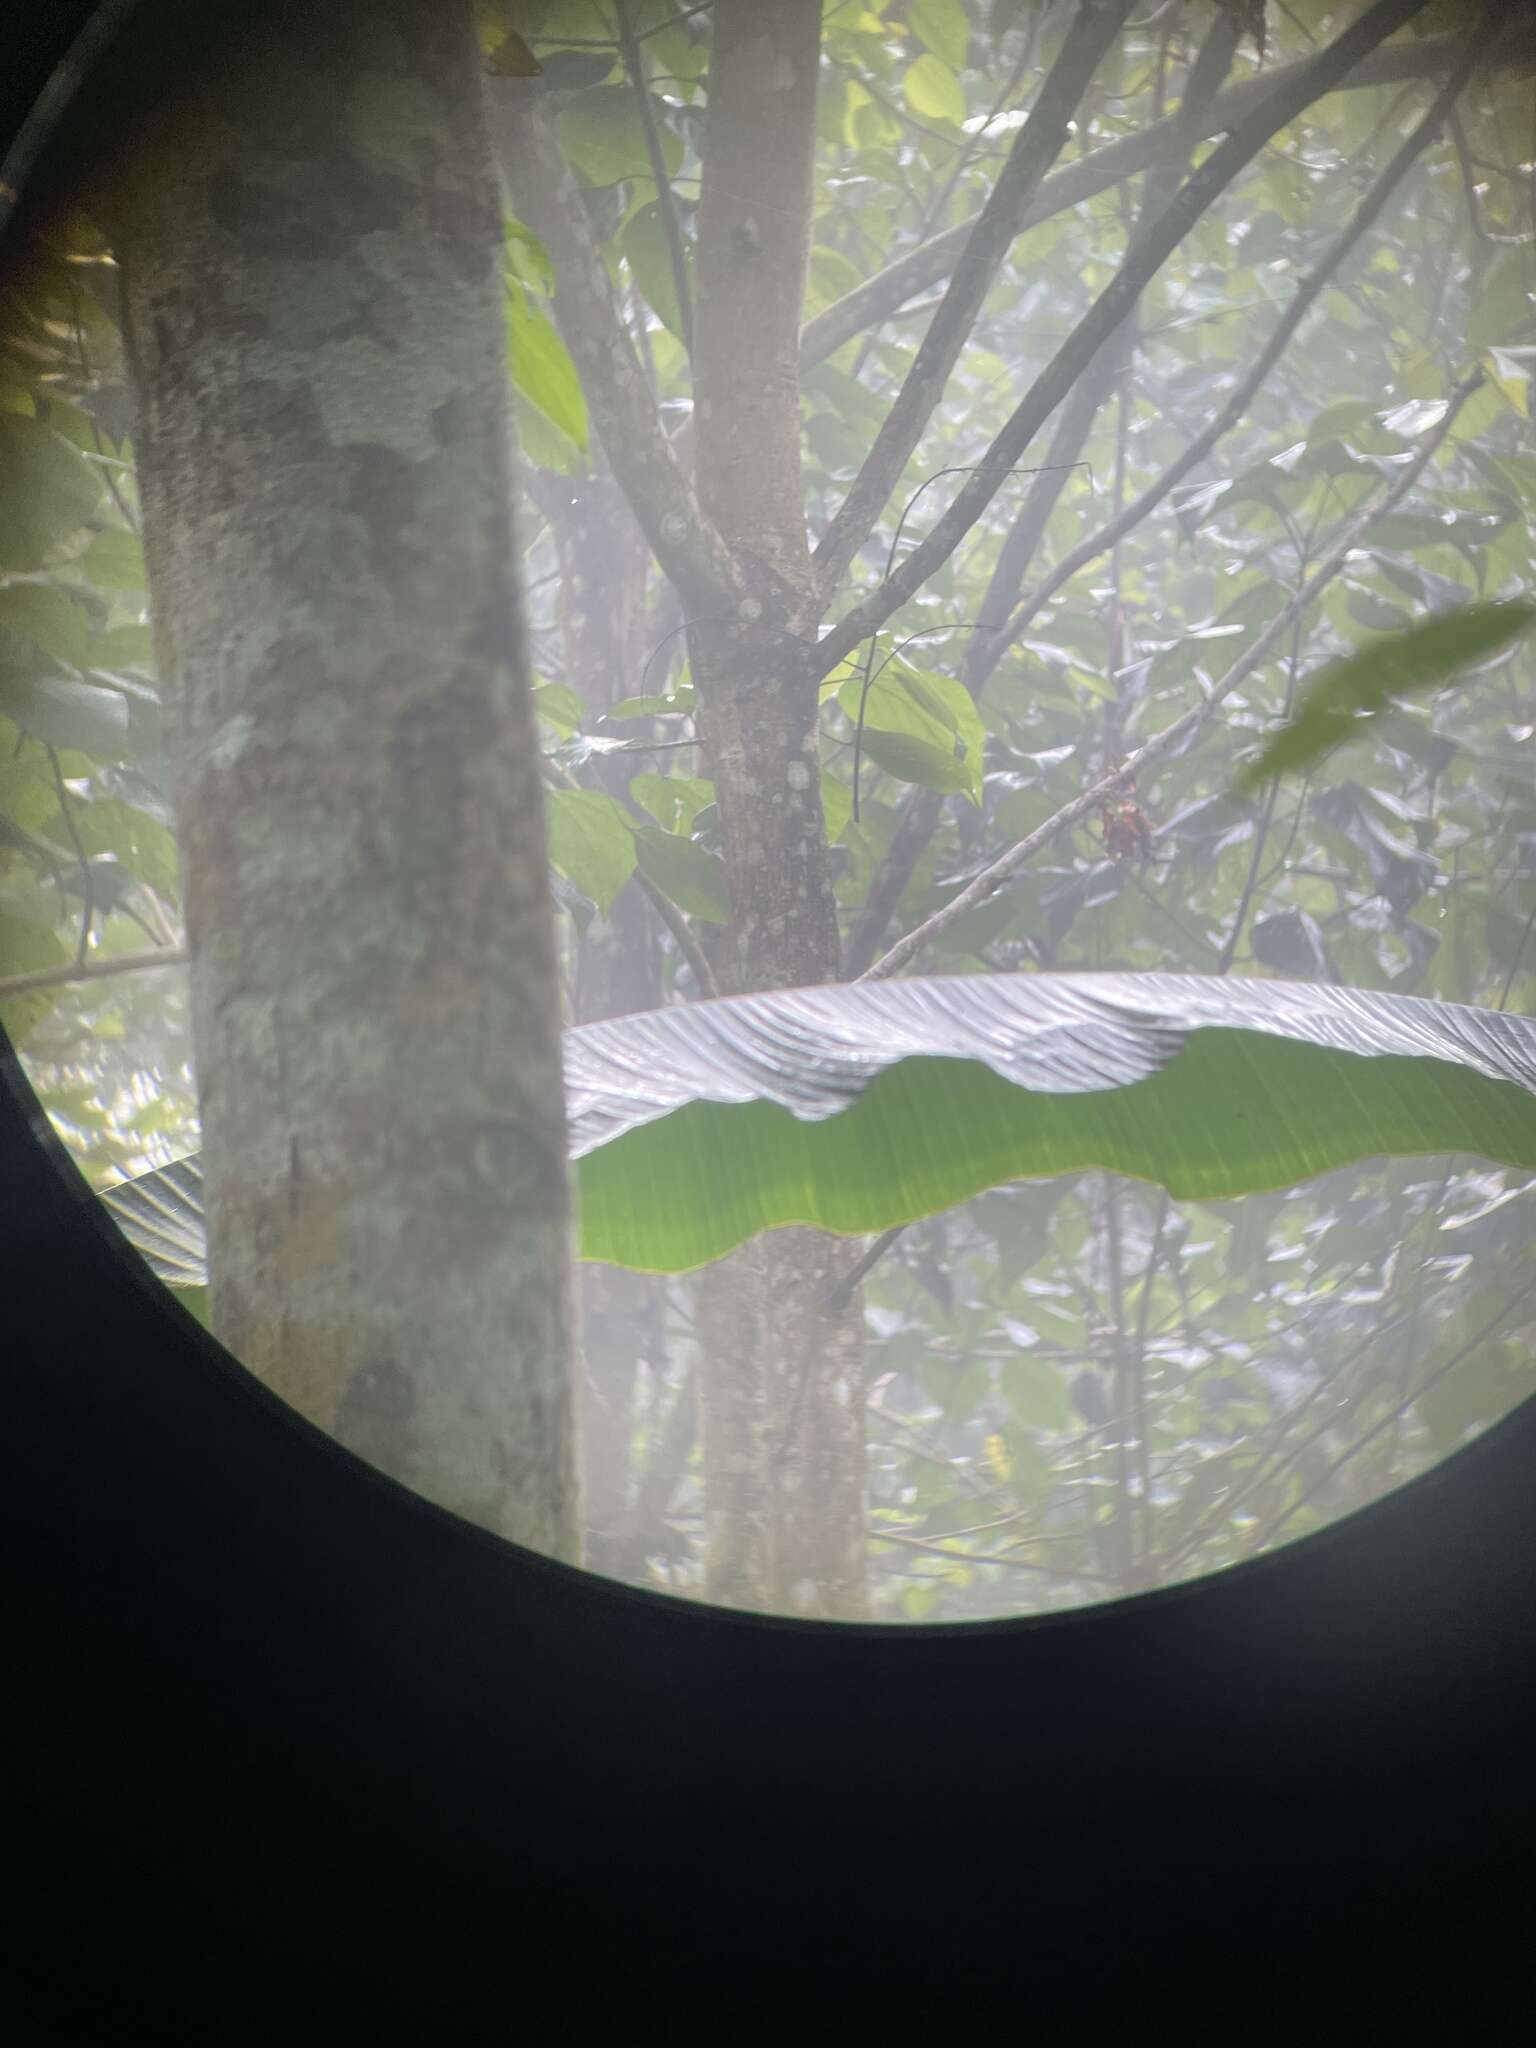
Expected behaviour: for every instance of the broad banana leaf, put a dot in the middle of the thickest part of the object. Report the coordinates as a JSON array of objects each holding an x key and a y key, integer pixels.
[{"x": 863, "y": 1105}]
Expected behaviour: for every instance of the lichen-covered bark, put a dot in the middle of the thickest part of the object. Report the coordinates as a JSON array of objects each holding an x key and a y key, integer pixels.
[
  {"x": 312, "y": 260},
  {"x": 815, "y": 1399},
  {"x": 756, "y": 194},
  {"x": 784, "y": 1501}
]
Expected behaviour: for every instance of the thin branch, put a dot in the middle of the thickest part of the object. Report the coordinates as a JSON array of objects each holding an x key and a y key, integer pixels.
[
  {"x": 1267, "y": 1533},
  {"x": 634, "y": 64},
  {"x": 607, "y": 42},
  {"x": 921, "y": 813},
  {"x": 1182, "y": 729},
  {"x": 1038, "y": 143},
  {"x": 1266, "y": 820},
  {"x": 87, "y": 877},
  {"x": 1207, "y": 75},
  {"x": 92, "y": 970},
  {"x": 968, "y": 1557},
  {"x": 548, "y": 198},
  {"x": 1514, "y": 967},
  {"x": 668, "y": 1460},
  {"x": 883, "y": 295},
  {"x": 662, "y": 904},
  {"x": 1306, "y": 296},
  {"x": 677, "y": 925},
  {"x": 871, "y": 673},
  {"x": 1113, "y": 305},
  {"x": 935, "y": 212},
  {"x": 1468, "y": 178},
  {"x": 840, "y": 1293},
  {"x": 914, "y": 831}
]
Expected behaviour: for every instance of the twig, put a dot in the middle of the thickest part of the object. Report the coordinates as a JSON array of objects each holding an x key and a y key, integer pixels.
[
  {"x": 935, "y": 212},
  {"x": 634, "y": 64},
  {"x": 87, "y": 878},
  {"x": 677, "y": 925},
  {"x": 1035, "y": 148},
  {"x": 966, "y": 1557},
  {"x": 1112, "y": 306},
  {"x": 92, "y": 970},
  {"x": 1276, "y": 1523},
  {"x": 606, "y": 42},
  {"x": 1468, "y": 178},
  {"x": 1509, "y": 979},
  {"x": 548, "y": 198},
  {"x": 1017, "y": 555},
  {"x": 1172, "y": 736},
  {"x": 1266, "y": 819},
  {"x": 1307, "y": 293},
  {"x": 882, "y": 296},
  {"x": 840, "y": 1292},
  {"x": 662, "y": 904}
]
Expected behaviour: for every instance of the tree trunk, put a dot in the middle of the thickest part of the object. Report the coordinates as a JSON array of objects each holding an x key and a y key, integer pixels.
[
  {"x": 780, "y": 1392},
  {"x": 602, "y": 559},
  {"x": 312, "y": 253}
]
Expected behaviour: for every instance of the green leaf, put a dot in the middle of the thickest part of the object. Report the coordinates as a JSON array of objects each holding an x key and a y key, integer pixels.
[
  {"x": 915, "y": 760},
  {"x": 836, "y": 806},
  {"x": 941, "y": 26},
  {"x": 114, "y": 561},
  {"x": 692, "y": 876},
  {"x": 1037, "y": 1393},
  {"x": 1510, "y": 370},
  {"x": 601, "y": 133},
  {"x": 933, "y": 92},
  {"x": 674, "y": 801},
  {"x": 27, "y": 948},
  {"x": 644, "y": 242},
  {"x": 560, "y": 706},
  {"x": 542, "y": 370},
  {"x": 832, "y": 274},
  {"x": 54, "y": 623},
  {"x": 65, "y": 712},
  {"x": 143, "y": 845},
  {"x": 527, "y": 258},
  {"x": 920, "y": 727},
  {"x": 50, "y": 492},
  {"x": 123, "y": 647},
  {"x": 854, "y": 1108},
  {"x": 860, "y": 1106},
  {"x": 545, "y": 446},
  {"x": 652, "y": 707},
  {"x": 1356, "y": 689},
  {"x": 591, "y": 842}
]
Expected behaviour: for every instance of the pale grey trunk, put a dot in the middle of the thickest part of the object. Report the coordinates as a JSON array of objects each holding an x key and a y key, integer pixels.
[
  {"x": 781, "y": 1393},
  {"x": 602, "y": 559},
  {"x": 314, "y": 299}
]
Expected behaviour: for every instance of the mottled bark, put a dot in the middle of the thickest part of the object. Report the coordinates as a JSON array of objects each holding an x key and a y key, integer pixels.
[
  {"x": 313, "y": 268},
  {"x": 815, "y": 1398},
  {"x": 756, "y": 195},
  {"x": 546, "y": 196},
  {"x": 782, "y": 1532},
  {"x": 757, "y": 708},
  {"x": 734, "y": 1369}
]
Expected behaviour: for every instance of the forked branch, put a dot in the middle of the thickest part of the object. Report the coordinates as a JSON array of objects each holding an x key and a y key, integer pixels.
[
  {"x": 1036, "y": 147},
  {"x": 1112, "y": 306}
]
